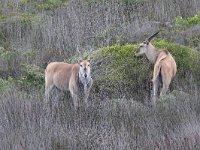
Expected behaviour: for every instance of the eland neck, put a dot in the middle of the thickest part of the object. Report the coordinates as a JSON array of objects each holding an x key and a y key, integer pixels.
[
  {"x": 84, "y": 81},
  {"x": 152, "y": 53}
]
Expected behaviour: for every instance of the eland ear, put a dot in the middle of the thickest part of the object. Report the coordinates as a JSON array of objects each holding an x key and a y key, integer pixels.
[
  {"x": 152, "y": 36},
  {"x": 79, "y": 61}
]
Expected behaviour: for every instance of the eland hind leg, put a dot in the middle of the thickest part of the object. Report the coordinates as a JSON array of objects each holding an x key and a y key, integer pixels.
[
  {"x": 166, "y": 80},
  {"x": 48, "y": 89},
  {"x": 155, "y": 81},
  {"x": 155, "y": 90},
  {"x": 165, "y": 87}
]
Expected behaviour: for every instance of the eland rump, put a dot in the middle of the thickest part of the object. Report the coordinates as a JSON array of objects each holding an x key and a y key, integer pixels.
[
  {"x": 164, "y": 65},
  {"x": 75, "y": 78}
]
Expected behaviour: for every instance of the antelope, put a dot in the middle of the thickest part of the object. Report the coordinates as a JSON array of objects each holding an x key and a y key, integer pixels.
[
  {"x": 75, "y": 78},
  {"x": 164, "y": 65}
]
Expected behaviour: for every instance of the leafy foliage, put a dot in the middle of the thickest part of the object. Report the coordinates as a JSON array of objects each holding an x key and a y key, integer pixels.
[
  {"x": 188, "y": 30},
  {"x": 41, "y": 5},
  {"x": 50, "y": 4},
  {"x": 8, "y": 55},
  {"x": 121, "y": 71},
  {"x": 10, "y": 61},
  {"x": 195, "y": 20},
  {"x": 133, "y": 2},
  {"x": 7, "y": 84},
  {"x": 32, "y": 77}
]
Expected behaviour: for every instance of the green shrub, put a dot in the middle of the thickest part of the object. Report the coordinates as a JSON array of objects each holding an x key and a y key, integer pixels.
[
  {"x": 25, "y": 19},
  {"x": 195, "y": 20},
  {"x": 29, "y": 55},
  {"x": 6, "y": 84},
  {"x": 120, "y": 72},
  {"x": 188, "y": 30},
  {"x": 49, "y": 4},
  {"x": 22, "y": 3},
  {"x": 133, "y": 2},
  {"x": 32, "y": 77},
  {"x": 10, "y": 57}
]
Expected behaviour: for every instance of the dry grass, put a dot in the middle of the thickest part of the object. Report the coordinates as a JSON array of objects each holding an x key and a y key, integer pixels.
[{"x": 31, "y": 123}]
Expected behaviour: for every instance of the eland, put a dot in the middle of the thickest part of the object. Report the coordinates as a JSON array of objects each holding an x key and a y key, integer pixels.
[
  {"x": 164, "y": 65},
  {"x": 75, "y": 78}
]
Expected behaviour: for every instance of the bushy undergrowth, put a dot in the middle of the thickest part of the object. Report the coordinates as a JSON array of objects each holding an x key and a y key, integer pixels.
[
  {"x": 108, "y": 124},
  {"x": 32, "y": 76},
  {"x": 191, "y": 21},
  {"x": 118, "y": 72},
  {"x": 6, "y": 84}
]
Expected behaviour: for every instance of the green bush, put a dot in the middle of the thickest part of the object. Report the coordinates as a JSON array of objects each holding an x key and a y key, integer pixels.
[
  {"x": 195, "y": 20},
  {"x": 22, "y": 3},
  {"x": 123, "y": 60},
  {"x": 25, "y": 19},
  {"x": 32, "y": 77},
  {"x": 10, "y": 59},
  {"x": 8, "y": 55},
  {"x": 120, "y": 72},
  {"x": 188, "y": 30},
  {"x": 7, "y": 84},
  {"x": 29, "y": 55},
  {"x": 50, "y": 4},
  {"x": 133, "y": 2}
]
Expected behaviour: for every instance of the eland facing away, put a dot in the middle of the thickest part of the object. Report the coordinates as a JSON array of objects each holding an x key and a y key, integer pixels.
[
  {"x": 164, "y": 65},
  {"x": 75, "y": 78}
]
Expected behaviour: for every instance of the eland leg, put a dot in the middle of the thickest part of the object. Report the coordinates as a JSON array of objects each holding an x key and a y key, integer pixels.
[
  {"x": 164, "y": 87},
  {"x": 166, "y": 80},
  {"x": 75, "y": 101},
  {"x": 86, "y": 95},
  {"x": 155, "y": 90},
  {"x": 48, "y": 89},
  {"x": 74, "y": 94}
]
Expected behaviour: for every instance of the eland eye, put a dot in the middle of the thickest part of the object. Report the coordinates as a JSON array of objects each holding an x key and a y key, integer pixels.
[
  {"x": 81, "y": 65},
  {"x": 88, "y": 65}
]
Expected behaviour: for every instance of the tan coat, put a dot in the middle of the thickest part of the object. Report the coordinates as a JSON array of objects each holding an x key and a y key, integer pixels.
[{"x": 166, "y": 65}]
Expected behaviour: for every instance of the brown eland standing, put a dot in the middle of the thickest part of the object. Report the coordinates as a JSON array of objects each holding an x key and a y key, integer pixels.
[
  {"x": 75, "y": 78},
  {"x": 164, "y": 65}
]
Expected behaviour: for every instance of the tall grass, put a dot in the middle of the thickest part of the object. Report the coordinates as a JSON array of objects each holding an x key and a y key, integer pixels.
[{"x": 33, "y": 123}]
